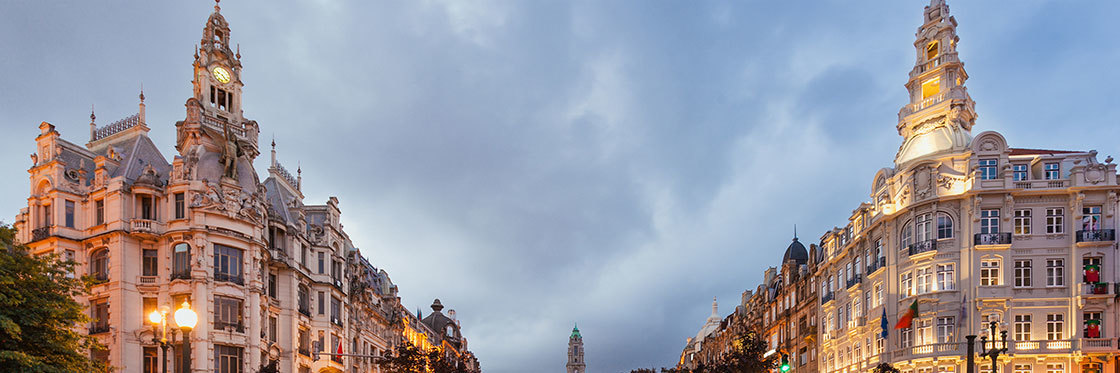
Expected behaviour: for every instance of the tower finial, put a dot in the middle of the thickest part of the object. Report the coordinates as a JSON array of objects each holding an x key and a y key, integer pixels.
[
  {"x": 715, "y": 307},
  {"x": 795, "y": 232},
  {"x": 141, "y": 92},
  {"x": 299, "y": 177},
  {"x": 142, "y": 113},
  {"x": 216, "y": 7},
  {"x": 238, "y": 50},
  {"x": 273, "y": 150},
  {"x": 92, "y": 125}
]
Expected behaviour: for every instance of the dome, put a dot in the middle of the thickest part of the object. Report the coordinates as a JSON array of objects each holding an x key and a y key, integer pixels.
[{"x": 796, "y": 251}]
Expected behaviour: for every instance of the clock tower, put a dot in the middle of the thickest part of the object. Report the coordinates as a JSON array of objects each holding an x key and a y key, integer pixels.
[
  {"x": 215, "y": 125},
  {"x": 575, "y": 352}
]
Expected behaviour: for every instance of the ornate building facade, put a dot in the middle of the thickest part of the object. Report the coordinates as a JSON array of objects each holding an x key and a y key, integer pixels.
[
  {"x": 972, "y": 232},
  {"x": 270, "y": 277},
  {"x": 575, "y": 352}
]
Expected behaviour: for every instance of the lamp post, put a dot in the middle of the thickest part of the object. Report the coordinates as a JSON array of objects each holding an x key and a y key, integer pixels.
[
  {"x": 995, "y": 350},
  {"x": 159, "y": 317},
  {"x": 186, "y": 319}
]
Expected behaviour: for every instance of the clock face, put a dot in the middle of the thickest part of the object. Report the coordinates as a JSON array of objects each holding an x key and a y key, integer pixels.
[{"x": 221, "y": 74}]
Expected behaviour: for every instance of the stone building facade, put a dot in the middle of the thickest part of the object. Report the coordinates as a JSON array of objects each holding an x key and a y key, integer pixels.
[
  {"x": 972, "y": 231},
  {"x": 269, "y": 276}
]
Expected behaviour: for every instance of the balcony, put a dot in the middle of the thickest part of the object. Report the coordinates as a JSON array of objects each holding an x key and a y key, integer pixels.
[
  {"x": 338, "y": 284},
  {"x": 226, "y": 277},
  {"x": 305, "y": 351},
  {"x": 922, "y": 247},
  {"x": 147, "y": 226},
  {"x": 1044, "y": 346},
  {"x": 1041, "y": 184},
  {"x": 305, "y": 310},
  {"x": 981, "y": 239},
  {"x": 229, "y": 326},
  {"x": 148, "y": 280},
  {"x": 181, "y": 275},
  {"x": 39, "y": 234},
  {"x": 855, "y": 280},
  {"x": 335, "y": 320},
  {"x": 1100, "y": 288},
  {"x": 98, "y": 329},
  {"x": 1097, "y": 344},
  {"x": 876, "y": 265},
  {"x": 1100, "y": 235},
  {"x": 827, "y": 298}
]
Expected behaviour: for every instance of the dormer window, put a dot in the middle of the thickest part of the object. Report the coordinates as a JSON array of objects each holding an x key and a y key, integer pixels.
[{"x": 932, "y": 50}]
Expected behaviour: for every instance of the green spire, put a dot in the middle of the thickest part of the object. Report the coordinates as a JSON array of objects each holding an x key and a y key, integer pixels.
[{"x": 575, "y": 332}]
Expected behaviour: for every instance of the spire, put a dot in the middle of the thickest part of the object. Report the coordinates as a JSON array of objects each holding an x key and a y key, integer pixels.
[
  {"x": 939, "y": 118},
  {"x": 273, "y": 151},
  {"x": 299, "y": 177},
  {"x": 143, "y": 118},
  {"x": 715, "y": 308},
  {"x": 575, "y": 332},
  {"x": 92, "y": 125},
  {"x": 795, "y": 232},
  {"x": 216, "y": 7}
]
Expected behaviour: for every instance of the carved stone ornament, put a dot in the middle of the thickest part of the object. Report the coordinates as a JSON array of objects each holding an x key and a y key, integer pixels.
[{"x": 989, "y": 146}]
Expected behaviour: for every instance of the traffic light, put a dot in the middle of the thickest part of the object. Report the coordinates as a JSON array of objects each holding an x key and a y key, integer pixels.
[{"x": 784, "y": 367}]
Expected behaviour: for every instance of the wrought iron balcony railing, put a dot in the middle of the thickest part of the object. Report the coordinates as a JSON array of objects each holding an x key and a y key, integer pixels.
[
  {"x": 219, "y": 276},
  {"x": 874, "y": 266},
  {"x": 991, "y": 239},
  {"x": 1100, "y": 235},
  {"x": 98, "y": 328},
  {"x": 922, "y": 246}
]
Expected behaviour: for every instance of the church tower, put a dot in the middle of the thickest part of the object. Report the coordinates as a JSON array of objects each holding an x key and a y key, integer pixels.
[
  {"x": 939, "y": 118},
  {"x": 575, "y": 352}
]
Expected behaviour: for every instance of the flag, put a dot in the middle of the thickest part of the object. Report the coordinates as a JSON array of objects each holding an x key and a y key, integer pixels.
[
  {"x": 884, "y": 324},
  {"x": 964, "y": 312},
  {"x": 339, "y": 349},
  {"x": 904, "y": 321}
]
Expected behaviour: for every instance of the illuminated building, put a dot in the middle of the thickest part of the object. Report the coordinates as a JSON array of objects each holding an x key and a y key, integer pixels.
[
  {"x": 972, "y": 231},
  {"x": 269, "y": 276}
]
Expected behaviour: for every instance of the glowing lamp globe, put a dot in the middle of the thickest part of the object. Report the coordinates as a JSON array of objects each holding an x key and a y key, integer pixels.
[
  {"x": 155, "y": 317},
  {"x": 185, "y": 317}
]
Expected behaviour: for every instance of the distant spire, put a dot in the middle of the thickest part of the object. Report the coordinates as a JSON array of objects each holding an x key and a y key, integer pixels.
[
  {"x": 273, "y": 150},
  {"x": 92, "y": 125},
  {"x": 143, "y": 116},
  {"x": 715, "y": 307},
  {"x": 196, "y": 51},
  {"x": 299, "y": 177},
  {"x": 795, "y": 232},
  {"x": 238, "y": 50}
]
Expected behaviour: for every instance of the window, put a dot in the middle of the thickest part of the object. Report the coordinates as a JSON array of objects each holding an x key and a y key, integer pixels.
[
  {"x": 906, "y": 237},
  {"x": 1019, "y": 172},
  {"x": 923, "y": 227},
  {"x": 1023, "y": 368},
  {"x": 322, "y": 303},
  {"x": 925, "y": 332},
  {"x": 150, "y": 263},
  {"x": 989, "y": 221},
  {"x": 336, "y": 310},
  {"x": 1055, "y": 324},
  {"x": 867, "y": 300},
  {"x": 857, "y": 306},
  {"x": 147, "y": 209},
  {"x": 932, "y": 49},
  {"x": 988, "y": 169},
  {"x": 272, "y": 285},
  {"x": 906, "y": 284},
  {"x": 69, "y": 214},
  {"x": 989, "y": 272},
  {"x": 1055, "y": 272},
  {"x": 925, "y": 280},
  {"x": 880, "y": 344},
  {"x": 99, "y": 316},
  {"x": 906, "y": 337},
  {"x": 99, "y": 264},
  {"x": 227, "y": 264},
  {"x": 1092, "y": 272},
  {"x": 1091, "y": 218},
  {"x": 1053, "y": 170},
  {"x": 99, "y": 211},
  {"x": 1054, "y": 220},
  {"x": 945, "y": 332},
  {"x": 1093, "y": 327},
  {"x": 946, "y": 276},
  {"x": 878, "y": 294},
  {"x": 1055, "y": 368},
  {"x": 149, "y": 305},
  {"x": 1022, "y": 327},
  {"x": 227, "y": 313},
  {"x": 151, "y": 360},
  {"x": 1023, "y": 273},
  {"x": 931, "y": 87},
  {"x": 227, "y": 359},
  {"x": 180, "y": 206},
  {"x": 47, "y": 221},
  {"x": 335, "y": 343},
  {"x": 273, "y": 329},
  {"x": 450, "y": 330},
  {"x": 304, "y": 301},
  {"x": 1022, "y": 221},
  {"x": 322, "y": 264},
  {"x": 944, "y": 226},
  {"x": 181, "y": 261}
]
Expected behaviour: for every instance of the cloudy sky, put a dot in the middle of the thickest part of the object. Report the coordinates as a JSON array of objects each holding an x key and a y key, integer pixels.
[{"x": 539, "y": 163}]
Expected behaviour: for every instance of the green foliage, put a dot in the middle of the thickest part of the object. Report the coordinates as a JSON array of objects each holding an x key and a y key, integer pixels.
[
  {"x": 409, "y": 359},
  {"x": 746, "y": 356},
  {"x": 885, "y": 368},
  {"x": 39, "y": 318}
]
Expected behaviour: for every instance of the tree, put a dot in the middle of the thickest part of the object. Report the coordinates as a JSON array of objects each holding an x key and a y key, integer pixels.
[
  {"x": 747, "y": 356},
  {"x": 38, "y": 313},
  {"x": 885, "y": 368},
  {"x": 406, "y": 358}
]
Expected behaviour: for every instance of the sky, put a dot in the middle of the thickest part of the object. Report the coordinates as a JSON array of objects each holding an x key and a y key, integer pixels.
[{"x": 534, "y": 164}]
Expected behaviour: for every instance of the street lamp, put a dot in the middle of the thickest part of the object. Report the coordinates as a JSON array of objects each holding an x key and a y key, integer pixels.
[
  {"x": 158, "y": 317},
  {"x": 995, "y": 350},
  {"x": 186, "y": 319}
]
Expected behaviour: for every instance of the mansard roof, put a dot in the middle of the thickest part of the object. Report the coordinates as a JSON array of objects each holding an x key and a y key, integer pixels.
[
  {"x": 278, "y": 198},
  {"x": 135, "y": 155},
  {"x": 1025, "y": 151}
]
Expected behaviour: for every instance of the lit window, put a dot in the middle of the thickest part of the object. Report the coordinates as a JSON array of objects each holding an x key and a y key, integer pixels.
[
  {"x": 1022, "y": 222},
  {"x": 931, "y": 87},
  {"x": 945, "y": 329},
  {"x": 1055, "y": 325},
  {"x": 988, "y": 169},
  {"x": 906, "y": 284},
  {"x": 946, "y": 276},
  {"x": 989, "y": 272},
  {"x": 925, "y": 280},
  {"x": 932, "y": 50},
  {"x": 1022, "y": 327}
]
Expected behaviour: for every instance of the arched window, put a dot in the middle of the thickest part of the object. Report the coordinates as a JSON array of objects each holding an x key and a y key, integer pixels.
[
  {"x": 181, "y": 261},
  {"x": 944, "y": 225},
  {"x": 450, "y": 330},
  {"x": 906, "y": 237},
  {"x": 99, "y": 264}
]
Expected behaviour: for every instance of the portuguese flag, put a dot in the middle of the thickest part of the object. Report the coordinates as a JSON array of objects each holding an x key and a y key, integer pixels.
[{"x": 905, "y": 320}]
